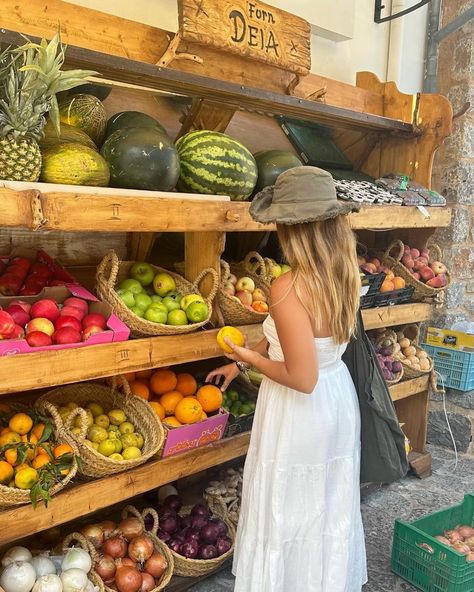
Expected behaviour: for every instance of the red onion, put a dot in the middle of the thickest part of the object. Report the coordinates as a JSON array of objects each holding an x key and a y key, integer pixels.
[
  {"x": 156, "y": 565},
  {"x": 198, "y": 522},
  {"x": 169, "y": 524},
  {"x": 189, "y": 549},
  {"x": 130, "y": 528},
  {"x": 207, "y": 552},
  {"x": 190, "y": 534},
  {"x": 94, "y": 533},
  {"x": 223, "y": 545},
  {"x": 116, "y": 547},
  {"x": 164, "y": 536},
  {"x": 173, "y": 502},
  {"x": 105, "y": 567},
  {"x": 209, "y": 533},
  {"x": 148, "y": 582},
  {"x": 221, "y": 526},
  {"x": 186, "y": 521},
  {"x": 128, "y": 579},
  {"x": 175, "y": 544},
  {"x": 140, "y": 548},
  {"x": 200, "y": 510},
  {"x": 108, "y": 526}
]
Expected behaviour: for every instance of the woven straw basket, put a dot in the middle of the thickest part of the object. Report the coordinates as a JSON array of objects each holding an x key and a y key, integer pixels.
[
  {"x": 111, "y": 272},
  {"x": 422, "y": 291},
  {"x": 392, "y": 337},
  {"x": 138, "y": 412},
  {"x": 76, "y": 539},
  {"x": 199, "y": 567},
  {"x": 11, "y": 496},
  {"x": 412, "y": 332}
]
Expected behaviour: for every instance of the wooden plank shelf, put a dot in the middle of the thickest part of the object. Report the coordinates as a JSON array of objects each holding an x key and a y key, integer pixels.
[
  {"x": 407, "y": 388},
  {"x": 92, "y": 211},
  {"x": 84, "y": 498},
  {"x": 402, "y": 314}
]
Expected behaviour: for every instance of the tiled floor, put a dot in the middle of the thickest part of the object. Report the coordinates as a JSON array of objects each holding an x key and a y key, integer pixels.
[{"x": 407, "y": 499}]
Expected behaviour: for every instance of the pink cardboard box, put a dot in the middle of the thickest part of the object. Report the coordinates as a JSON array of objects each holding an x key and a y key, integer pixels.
[
  {"x": 195, "y": 435},
  {"x": 116, "y": 329}
]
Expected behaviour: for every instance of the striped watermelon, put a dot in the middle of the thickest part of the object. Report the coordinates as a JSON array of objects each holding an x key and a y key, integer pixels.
[{"x": 215, "y": 163}]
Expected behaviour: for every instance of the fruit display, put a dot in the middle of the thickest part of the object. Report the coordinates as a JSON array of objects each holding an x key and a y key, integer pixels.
[
  {"x": 423, "y": 268},
  {"x": 460, "y": 539},
  {"x": 30, "y": 457},
  {"x": 385, "y": 347},
  {"x": 72, "y": 163},
  {"x": 271, "y": 163},
  {"x": 128, "y": 119},
  {"x": 244, "y": 290},
  {"x": 373, "y": 266},
  {"x": 141, "y": 158},
  {"x": 216, "y": 164},
  {"x": 24, "y": 572},
  {"x": 85, "y": 112},
  {"x": 152, "y": 295},
  {"x": 32, "y": 72}
]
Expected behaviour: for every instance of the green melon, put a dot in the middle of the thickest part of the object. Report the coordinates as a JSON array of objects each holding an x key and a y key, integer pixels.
[
  {"x": 216, "y": 164},
  {"x": 74, "y": 164},
  {"x": 272, "y": 163},
  {"x": 127, "y": 119},
  {"x": 68, "y": 133},
  {"x": 141, "y": 158},
  {"x": 87, "y": 113}
]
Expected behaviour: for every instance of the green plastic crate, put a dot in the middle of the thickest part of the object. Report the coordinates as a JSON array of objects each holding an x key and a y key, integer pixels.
[{"x": 426, "y": 563}]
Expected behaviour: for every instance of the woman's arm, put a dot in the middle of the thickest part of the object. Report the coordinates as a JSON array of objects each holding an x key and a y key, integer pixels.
[{"x": 299, "y": 370}]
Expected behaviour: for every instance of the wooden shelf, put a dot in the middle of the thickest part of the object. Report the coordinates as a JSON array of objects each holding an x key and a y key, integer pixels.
[
  {"x": 403, "y": 314},
  {"x": 84, "y": 498},
  {"x": 46, "y": 369},
  {"x": 92, "y": 211},
  {"x": 407, "y": 388}
]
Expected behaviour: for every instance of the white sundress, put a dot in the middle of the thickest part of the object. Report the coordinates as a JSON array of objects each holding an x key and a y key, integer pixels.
[{"x": 300, "y": 527}]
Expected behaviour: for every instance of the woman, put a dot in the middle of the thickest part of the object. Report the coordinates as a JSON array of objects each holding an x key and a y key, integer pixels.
[{"x": 300, "y": 528}]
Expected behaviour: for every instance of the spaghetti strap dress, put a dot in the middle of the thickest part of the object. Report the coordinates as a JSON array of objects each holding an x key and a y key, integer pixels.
[{"x": 300, "y": 527}]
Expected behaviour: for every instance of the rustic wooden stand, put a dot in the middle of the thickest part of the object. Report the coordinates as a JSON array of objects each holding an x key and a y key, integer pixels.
[{"x": 377, "y": 127}]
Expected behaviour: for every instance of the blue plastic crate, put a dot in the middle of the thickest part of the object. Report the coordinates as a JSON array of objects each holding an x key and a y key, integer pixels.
[{"x": 456, "y": 367}]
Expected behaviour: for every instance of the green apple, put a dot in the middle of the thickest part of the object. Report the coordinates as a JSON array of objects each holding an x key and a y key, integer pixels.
[
  {"x": 138, "y": 311},
  {"x": 127, "y": 297},
  {"x": 156, "y": 298},
  {"x": 142, "y": 301},
  {"x": 197, "y": 312},
  {"x": 276, "y": 270},
  {"x": 164, "y": 284},
  {"x": 171, "y": 303},
  {"x": 187, "y": 300},
  {"x": 177, "y": 317},
  {"x": 156, "y": 313},
  {"x": 131, "y": 285},
  {"x": 142, "y": 272}
]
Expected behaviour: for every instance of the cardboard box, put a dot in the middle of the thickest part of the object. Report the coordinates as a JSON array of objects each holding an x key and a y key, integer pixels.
[
  {"x": 195, "y": 435},
  {"x": 116, "y": 329},
  {"x": 450, "y": 339}
]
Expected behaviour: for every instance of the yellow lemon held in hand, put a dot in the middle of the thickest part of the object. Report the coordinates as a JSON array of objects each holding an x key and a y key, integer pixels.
[
  {"x": 26, "y": 478},
  {"x": 233, "y": 335},
  {"x": 21, "y": 423}
]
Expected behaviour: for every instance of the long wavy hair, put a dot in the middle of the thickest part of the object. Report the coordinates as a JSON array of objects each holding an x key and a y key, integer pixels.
[{"x": 323, "y": 259}]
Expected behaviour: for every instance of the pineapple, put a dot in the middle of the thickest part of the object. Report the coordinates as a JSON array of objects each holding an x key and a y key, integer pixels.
[{"x": 30, "y": 77}]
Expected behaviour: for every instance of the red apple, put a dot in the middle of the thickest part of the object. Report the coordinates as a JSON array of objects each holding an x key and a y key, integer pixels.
[
  {"x": 437, "y": 282},
  {"x": 73, "y": 311},
  {"x": 18, "y": 314},
  {"x": 45, "y": 309},
  {"x": 35, "y": 284},
  {"x": 94, "y": 319},
  {"x": 66, "y": 335},
  {"x": 369, "y": 268},
  {"x": 9, "y": 285},
  {"x": 438, "y": 267},
  {"x": 65, "y": 321},
  {"x": 415, "y": 253},
  {"x": 21, "y": 262},
  {"x": 77, "y": 302},
  {"x": 244, "y": 297},
  {"x": 375, "y": 262},
  {"x": 407, "y": 261},
  {"x": 7, "y": 324},
  {"x": 416, "y": 275},
  {"x": 25, "y": 291},
  {"x": 425, "y": 253},
  {"x": 18, "y": 333},
  {"x": 38, "y": 339},
  {"x": 91, "y": 330},
  {"x": 40, "y": 268},
  {"x": 26, "y": 306},
  {"x": 39, "y": 324},
  {"x": 427, "y": 274},
  {"x": 419, "y": 263},
  {"x": 18, "y": 270}
]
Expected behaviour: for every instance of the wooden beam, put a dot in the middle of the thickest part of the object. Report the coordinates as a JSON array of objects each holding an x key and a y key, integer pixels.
[
  {"x": 409, "y": 388},
  {"x": 84, "y": 498},
  {"x": 403, "y": 314}
]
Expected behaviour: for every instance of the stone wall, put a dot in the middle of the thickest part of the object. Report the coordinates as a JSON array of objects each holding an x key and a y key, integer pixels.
[{"x": 453, "y": 176}]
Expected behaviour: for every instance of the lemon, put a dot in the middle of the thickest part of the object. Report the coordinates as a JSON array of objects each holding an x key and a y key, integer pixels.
[
  {"x": 96, "y": 409},
  {"x": 117, "y": 416},
  {"x": 26, "y": 478},
  {"x": 76, "y": 431},
  {"x": 131, "y": 453},
  {"x": 89, "y": 420},
  {"x": 233, "y": 334},
  {"x": 102, "y": 420},
  {"x": 113, "y": 435},
  {"x": 72, "y": 406},
  {"x": 116, "y": 456},
  {"x": 97, "y": 434},
  {"x": 189, "y": 299},
  {"x": 118, "y": 445},
  {"x": 107, "y": 447},
  {"x": 113, "y": 429},
  {"x": 126, "y": 428},
  {"x": 140, "y": 440},
  {"x": 129, "y": 440}
]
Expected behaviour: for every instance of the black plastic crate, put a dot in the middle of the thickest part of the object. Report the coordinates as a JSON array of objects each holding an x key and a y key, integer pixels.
[
  {"x": 374, "y": 283},
  {"x": 393, "y": 298}
]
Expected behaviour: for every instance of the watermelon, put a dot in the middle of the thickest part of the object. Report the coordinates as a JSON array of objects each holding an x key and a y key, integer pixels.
[
  {"x": 141, "y": 158},
  {"x": 74, "y": 164},
  {"x": 271, "y": 163},
  {"x": 126, "y": 119},
  {"x": 216, "y": 164},
  {"x": 87, "y": 113}
]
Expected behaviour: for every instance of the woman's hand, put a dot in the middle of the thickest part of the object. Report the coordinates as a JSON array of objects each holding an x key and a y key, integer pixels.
[
  {"x": 228, "y": 372},
  {"x": 241, "y": 354}
]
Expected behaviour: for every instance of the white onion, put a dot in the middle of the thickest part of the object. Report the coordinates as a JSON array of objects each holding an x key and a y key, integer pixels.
[
  {"x": 77, "y": 558},
  {"x": 90, "y": 587},
  {"x": 16, "y": 554},
  {"x": 43, "y": 566},
  {"x": 74, "y": 580},
  {"x": 165, "y": 491},
  {"x": 48, "y": 583},
  {"x": 19, "y": 576}
]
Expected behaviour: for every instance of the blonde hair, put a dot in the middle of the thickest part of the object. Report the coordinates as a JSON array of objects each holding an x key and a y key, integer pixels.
[{"x": 323, "y": 259}]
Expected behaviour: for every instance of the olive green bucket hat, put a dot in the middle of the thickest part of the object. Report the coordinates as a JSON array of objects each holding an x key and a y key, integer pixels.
[{"x": 302, "y": 194}]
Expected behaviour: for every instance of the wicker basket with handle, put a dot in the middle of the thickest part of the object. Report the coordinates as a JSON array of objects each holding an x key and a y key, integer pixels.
[{"x": 412, "y": 333}]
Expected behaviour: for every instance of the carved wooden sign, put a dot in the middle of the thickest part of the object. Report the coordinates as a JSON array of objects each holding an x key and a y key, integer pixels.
[{"x": 250, "y": 28}]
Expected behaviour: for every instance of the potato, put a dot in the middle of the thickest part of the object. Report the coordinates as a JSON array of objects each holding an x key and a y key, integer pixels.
[
  {"x": 404, "y": 343},
  {"x": 414, "y": 359},
  {"x": 424, "y": 364},
  {"x": 416, "y": 366},
  {"x": 422, "y": 354},
  {"x": 396, "y": 348},
  {"x": 407, "y": 362},
  {"x": 409, "y": 351}
]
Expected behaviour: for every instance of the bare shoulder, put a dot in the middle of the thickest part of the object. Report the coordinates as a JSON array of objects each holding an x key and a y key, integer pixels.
[{"x": 281, "y": 287}]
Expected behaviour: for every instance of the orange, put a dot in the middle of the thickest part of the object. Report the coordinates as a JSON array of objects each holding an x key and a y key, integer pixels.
[
  {"x": 169, "y": 401},
  {"x": 399, "y": 283},
  {"x": 45, "y": 448},
  {"x": 387, "y": 286},
  {"x": 186, "y": 384},
  {"x": 163, "y": 381},
  {"x": 203, "y": 416},
  {"x": 11, "y": 456},
  {"x": 210, "y": 397},
  {"x": 140, "y": 389},
  {"x": 158, "y": 409},
  {"x": 188, "y": 410},
  {"x": 6, "y": 472},
  {"x": 144, "y": 374},
  {"x": 21, "y": 423},
  {"x": 233, "y": 335},
  {"x": 38, "y": 430},
  {"x": 129, "y": 376},
  {"x": 4, "y": 431},
  {"x": 172, "y": 422},
  {"x": 62, "y": 449},
  {"x": 40, "y": 461},
  {"x": 26, "y": 478},
  {"x": 10, "y": 438},
  {"x": 32, "y": 439}
]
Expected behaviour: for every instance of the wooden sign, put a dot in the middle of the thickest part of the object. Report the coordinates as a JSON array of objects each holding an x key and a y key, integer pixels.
[{"x": 250, "y": 28}]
